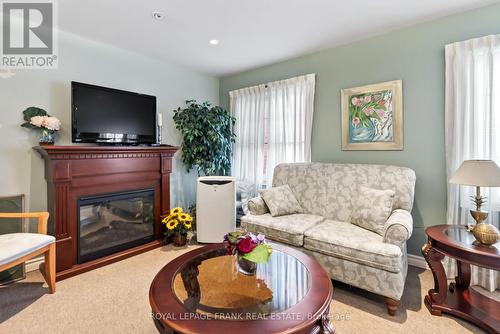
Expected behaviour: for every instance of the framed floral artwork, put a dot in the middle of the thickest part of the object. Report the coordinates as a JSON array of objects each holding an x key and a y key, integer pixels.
[{"x": 372, "y": 117}]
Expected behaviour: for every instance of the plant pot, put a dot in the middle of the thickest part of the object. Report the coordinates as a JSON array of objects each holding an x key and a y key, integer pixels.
[
  {"x": 246, "y": 267},
  {"x": 47, "y": 137},
  {"x": 179, "y": 240},
  {"x": 361, "y": 133}
]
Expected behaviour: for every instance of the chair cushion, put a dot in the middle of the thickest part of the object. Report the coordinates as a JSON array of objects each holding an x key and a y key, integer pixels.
[
  {"x": 371, "y": 208},
  {"x": 287, "y": 229},
  {"x": 353, "y": 243},
  {"x": 281, "y": 201},
  {"x": 16, "y": 245}
]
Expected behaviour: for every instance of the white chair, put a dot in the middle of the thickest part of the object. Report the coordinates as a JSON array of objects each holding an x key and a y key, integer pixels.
[{"x": 16, "y": 248}]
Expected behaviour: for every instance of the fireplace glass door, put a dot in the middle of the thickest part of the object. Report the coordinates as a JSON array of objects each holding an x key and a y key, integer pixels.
[{"x": 114, "y": 222}]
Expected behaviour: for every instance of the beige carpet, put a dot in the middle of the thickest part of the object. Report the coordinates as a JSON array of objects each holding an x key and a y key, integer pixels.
[{"x": 114, "y": 299}]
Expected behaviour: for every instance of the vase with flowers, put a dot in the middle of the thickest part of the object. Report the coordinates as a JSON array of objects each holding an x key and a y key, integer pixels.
[
  {"x": 249, "y": 248},
  {"x": 177, "y": 224},
  {"x": 37, "y": 118},
  {"x": 365, "y": 111}
]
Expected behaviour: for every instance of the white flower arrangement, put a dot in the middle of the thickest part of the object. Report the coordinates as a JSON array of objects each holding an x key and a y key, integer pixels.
[
  {"x": 47, "y": 122},
  {"x": 38, "y": 118}
]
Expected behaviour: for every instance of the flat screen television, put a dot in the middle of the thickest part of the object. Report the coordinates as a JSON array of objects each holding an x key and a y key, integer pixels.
[{"x": 111, "y": 116}]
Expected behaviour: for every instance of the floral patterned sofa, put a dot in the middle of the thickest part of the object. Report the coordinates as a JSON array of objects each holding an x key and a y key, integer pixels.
[{"x": 351, "y": 254}]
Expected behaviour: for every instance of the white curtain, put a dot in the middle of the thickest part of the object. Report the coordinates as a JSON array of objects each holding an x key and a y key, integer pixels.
[
  {"x": 472, "y": 119},
  {"x": 248, "y": 106},
  {"x": 273, "y": 125}
]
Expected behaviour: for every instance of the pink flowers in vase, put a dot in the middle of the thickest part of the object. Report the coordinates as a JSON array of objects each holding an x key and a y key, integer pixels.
[
  {"x": 37, "y": 118},
  {"x": 366, "y": 107},
  {"x": 357, "y": 102},
  {"x": 47, "y": 122},
  {"x": 251, "y": 247}
]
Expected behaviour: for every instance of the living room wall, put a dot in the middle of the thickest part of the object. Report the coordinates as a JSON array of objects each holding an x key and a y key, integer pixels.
[
  {"x": 415, "y": 55},
  {"x": 83, "y": 60}
]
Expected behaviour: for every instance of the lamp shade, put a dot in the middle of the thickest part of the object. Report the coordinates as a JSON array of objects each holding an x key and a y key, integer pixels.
[{"x": 478, "y": 173}]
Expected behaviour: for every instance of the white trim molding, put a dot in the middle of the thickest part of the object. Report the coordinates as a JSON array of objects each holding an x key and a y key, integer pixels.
[
  {"x": 34, "y": 264},
  {"x": 413, "y": 260},
  {"x": 417, "y": 261}
]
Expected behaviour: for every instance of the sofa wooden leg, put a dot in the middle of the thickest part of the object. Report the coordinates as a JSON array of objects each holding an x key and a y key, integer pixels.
[
  {"x": 50, "y": 267},
  {"x": 392, "y": 305}
]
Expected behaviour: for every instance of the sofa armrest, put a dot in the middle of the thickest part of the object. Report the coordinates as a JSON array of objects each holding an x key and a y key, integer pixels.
[
  {"x": 257, "y": 206},
  {"x": 398, "y": 228}
]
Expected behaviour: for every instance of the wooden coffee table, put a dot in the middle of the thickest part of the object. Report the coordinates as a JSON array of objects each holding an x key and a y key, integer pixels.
[
  {"x": 454, "y": 241},
  {"x": 202, "y": 291}
]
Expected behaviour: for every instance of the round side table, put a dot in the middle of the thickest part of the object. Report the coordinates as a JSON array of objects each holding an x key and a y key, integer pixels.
[{"x": 458, "y": 299}]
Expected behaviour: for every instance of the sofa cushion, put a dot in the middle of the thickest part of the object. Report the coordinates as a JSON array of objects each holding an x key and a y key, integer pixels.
[
  {"x": 16, "y": 245},
  {"x": 257, "y": 206},
  {"x": 353, "y": 243},
  {"x": 371, "y": 208},
  {"x": 281, "y": 201},
  {"x": 287, "y": 229}
]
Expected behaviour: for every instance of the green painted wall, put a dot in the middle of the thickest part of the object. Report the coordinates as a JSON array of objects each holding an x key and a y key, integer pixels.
[
  {"x": 415, "y": 55},
  {"x": 85, "y": 60}
]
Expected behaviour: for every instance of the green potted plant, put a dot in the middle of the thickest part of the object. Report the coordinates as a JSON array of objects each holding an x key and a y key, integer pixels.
[{"x": 208, "y": 137}]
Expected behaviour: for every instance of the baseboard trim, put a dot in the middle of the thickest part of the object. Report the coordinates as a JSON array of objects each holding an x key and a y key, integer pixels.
[
  {"x": 413, "y": 260},
  {"x": 34, "y": 264},
  {"x": 417, "y": 261}
]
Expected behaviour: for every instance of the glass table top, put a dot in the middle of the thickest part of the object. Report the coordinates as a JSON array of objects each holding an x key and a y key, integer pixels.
[
  {"x": 211, "y": 284},
  {"x": 459, "y": 234}
]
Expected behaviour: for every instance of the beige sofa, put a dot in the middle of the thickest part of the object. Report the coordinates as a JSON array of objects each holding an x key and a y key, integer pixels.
[{"x": 351, "y": 254}]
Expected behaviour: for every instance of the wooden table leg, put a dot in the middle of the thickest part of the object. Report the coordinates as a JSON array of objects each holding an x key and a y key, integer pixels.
[
  {"x": 438, "y": 294},
  {"x": 326, "y": 325},
  {"x": 463, "y": 275}
]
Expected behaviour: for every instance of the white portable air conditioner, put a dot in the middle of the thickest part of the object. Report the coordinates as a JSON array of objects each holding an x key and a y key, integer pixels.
[{"x": 215, "y": 208}]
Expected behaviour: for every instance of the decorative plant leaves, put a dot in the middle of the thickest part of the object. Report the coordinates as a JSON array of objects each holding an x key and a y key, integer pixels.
[
  {"x": 367, "y": 106},
  {"x": 207, "y": 137},
  {"x": 233, "y": 236},
  {"x": 260, "y": 254},
  {"x": 32, "y": 112}
]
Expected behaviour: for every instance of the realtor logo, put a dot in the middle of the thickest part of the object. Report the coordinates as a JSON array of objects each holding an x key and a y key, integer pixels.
[{"x": 28, "y": 35}]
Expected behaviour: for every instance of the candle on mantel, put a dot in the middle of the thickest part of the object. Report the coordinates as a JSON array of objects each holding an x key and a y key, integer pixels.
[{"x": 160, "y": 119}]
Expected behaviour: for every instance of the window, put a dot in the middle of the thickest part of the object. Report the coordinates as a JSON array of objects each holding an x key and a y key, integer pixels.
[{"x": 273, "y": 125}]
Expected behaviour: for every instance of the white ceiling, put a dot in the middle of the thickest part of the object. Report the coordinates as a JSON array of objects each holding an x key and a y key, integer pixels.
[{"x": 252, "y": 33}]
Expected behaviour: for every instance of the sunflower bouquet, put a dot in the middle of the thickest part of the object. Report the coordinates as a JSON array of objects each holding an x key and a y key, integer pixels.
[{"x": 177, "y": 222}]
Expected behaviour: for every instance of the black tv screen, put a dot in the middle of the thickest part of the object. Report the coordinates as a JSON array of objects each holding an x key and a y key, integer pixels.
[{"x": 106, "y": 115}]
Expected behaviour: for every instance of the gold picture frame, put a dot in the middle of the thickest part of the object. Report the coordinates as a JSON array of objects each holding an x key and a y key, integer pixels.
[{"x": 372, "y": 117}]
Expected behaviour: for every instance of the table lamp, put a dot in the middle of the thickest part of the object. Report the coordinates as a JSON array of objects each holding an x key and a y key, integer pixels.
[{"x": 479, "y": 173}]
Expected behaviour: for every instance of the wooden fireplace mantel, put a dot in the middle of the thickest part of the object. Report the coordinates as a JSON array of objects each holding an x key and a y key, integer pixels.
[{"x": 78, "y": 171}]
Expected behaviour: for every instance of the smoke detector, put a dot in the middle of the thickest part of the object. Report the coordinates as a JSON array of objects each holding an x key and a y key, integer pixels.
[{"x": 158, "y": 16}]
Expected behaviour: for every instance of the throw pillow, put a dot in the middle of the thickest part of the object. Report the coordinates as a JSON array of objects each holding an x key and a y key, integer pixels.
[
  {"x": 281, "y": 201},
  {"x": 257, "y": 206},
  {"x": 372, "y": 208}
]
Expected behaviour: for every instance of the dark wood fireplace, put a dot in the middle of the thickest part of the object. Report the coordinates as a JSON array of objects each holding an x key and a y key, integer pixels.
[{"x": 122, "y": 192}]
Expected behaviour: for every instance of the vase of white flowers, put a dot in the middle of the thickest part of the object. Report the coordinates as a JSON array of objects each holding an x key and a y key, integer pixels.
[{"x": 37, "y": 118}]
